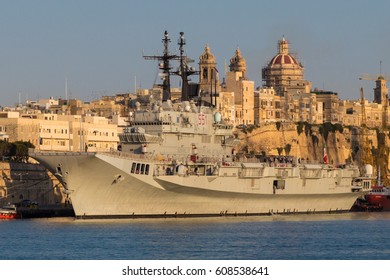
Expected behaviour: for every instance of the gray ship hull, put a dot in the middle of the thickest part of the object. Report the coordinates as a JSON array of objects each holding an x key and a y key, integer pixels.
[{"x": 102, "y": 186}]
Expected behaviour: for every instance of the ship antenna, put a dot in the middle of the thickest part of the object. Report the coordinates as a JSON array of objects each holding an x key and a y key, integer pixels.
[
  {"x": 164, "y": 66},
  {"x": 183, "y": 71}
]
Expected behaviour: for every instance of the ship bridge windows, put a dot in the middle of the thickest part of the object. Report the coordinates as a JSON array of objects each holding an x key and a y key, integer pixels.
[
  {"x": 147, "y": 169},
  {"x": 139, "y": 168},
  {"x": 133, "y": 167}
]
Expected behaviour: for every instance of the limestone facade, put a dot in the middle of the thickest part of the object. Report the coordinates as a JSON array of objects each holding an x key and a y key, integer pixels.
[
  {"x": 237, "y": 82},
  {"x": 285, "y": 97},
  {"x": 285, "y": 73},
  {"x": 208, "y": 73},
  {"x": 21, "y": 181},
  {"x": 62, "y": 132}
]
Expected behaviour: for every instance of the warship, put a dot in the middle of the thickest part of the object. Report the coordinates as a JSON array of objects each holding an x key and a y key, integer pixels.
[{"x": 178, "y": 159}]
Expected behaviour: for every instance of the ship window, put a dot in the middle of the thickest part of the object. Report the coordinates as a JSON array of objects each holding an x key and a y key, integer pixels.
[
  {"x": 137, "y": 168},
  {"x": 279, "y": 184},
  {"x": 147, "y": 169},
  {"x": 142, "y": 168},
  {"x": 133, "y": 167},
  {"x": 59, "y": 171}
]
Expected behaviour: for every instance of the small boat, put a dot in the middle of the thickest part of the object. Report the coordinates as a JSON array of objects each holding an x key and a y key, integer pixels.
[
  {"x": 9, "y": 212},
  {"x": 379, "y": 195},
  {"x": 362, "y": 205}
]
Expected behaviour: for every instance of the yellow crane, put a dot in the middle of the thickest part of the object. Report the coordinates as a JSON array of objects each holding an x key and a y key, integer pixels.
[{"x": 369, "y": 77}]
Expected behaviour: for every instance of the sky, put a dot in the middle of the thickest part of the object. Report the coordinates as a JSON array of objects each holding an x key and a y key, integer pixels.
[{"x": 97, "y": 45}]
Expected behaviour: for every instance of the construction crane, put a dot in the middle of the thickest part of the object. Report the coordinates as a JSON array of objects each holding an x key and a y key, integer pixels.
[{"x": 374, "y": 77}]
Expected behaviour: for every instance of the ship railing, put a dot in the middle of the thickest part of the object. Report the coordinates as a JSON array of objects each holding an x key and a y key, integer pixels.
[
  {"x": 311, "y": 173},
  {"x": 282, "y": 173},
  {"x": 252, "y": 172},
  {"x": 32, "y": 152},
  {"x": 141, "y": 157},
  {"x": 165, "y": 159}
]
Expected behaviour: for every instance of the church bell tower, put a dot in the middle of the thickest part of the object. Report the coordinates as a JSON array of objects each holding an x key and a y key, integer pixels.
[{"x": 208, "y": 78}]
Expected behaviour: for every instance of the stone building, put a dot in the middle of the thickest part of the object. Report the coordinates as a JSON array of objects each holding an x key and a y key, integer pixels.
[
  {"x": 291, "y": 93},
  {"x": 29, "y": 181},
  {"x": 381, "y": 92},
  {"x": 351, "y": 113},
  {"x": 61, "y": 132},
  {"x": 267, "y": 106},
  {"x": 285, "y": 73},
  {"x": 330, "y": 105},
  {"x": 237, "y": 82},
  {"x": 226, "y": 106},
  {"x": 208, "y": 73}
]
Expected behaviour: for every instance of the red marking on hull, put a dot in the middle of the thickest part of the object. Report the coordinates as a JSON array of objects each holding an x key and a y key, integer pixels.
[
  {"x": 379, "y": 195},
  {"x": 7, "y": 216}
]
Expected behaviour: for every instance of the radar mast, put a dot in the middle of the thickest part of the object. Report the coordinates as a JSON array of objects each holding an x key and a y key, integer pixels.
[{"x": 183, "y": 71}]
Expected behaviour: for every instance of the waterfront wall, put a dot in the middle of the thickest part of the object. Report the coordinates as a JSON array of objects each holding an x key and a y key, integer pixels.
[{"x": 29, "y": 181}]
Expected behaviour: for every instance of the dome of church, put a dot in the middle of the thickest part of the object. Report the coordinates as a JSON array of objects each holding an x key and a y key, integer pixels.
[
  {"x": 283, "y": 57},
  {"x": 238, "y": 61},
  {"x": 207, "y": 56}
]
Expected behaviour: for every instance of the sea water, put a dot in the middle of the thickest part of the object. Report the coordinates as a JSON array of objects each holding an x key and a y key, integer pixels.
[{"x": 349, "y": 236}]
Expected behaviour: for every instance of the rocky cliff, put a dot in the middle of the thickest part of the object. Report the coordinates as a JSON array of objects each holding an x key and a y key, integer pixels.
[{"x": 341, "y": 144}]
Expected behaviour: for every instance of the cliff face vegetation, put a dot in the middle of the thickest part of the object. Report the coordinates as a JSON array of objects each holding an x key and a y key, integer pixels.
[{"x": 343, "y": 145}]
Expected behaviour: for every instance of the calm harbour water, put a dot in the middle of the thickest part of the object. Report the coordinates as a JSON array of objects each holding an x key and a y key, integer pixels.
[{"x": 349, "y": 236}]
